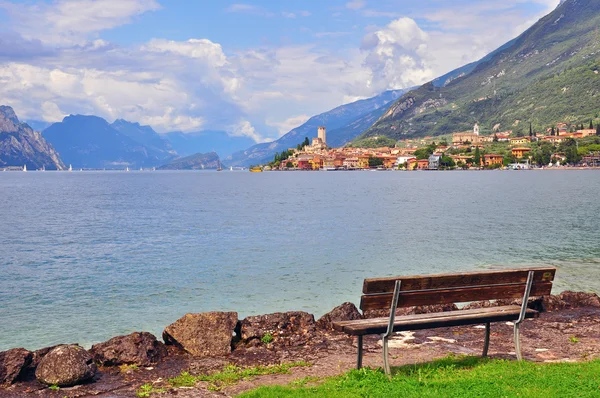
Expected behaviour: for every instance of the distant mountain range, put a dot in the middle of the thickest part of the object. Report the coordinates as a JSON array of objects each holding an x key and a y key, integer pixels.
[
  {"x": 549, "y": 74},
  {"x": 21, "y": 146},
  {"x": 198, "y": 161},
  {"x": 91, "y": 142},
  {"x": 343, "y": 123}
]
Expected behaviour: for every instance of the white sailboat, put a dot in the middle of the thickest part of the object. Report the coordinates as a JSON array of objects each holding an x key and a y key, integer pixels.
[
  {"x": 24, "y": 167},
  {"x": 126, "y": 168},
  {"x": 70, "y": 168}
]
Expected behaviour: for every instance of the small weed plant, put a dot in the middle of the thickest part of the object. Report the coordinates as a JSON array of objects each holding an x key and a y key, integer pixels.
[{"x": 267, "y": 338}]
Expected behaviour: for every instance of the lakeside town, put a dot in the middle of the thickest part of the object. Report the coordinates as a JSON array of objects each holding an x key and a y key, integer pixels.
[{"x": 560, "y": 146}]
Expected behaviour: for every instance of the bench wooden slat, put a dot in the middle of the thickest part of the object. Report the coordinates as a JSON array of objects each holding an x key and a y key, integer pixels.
[
  {"x": 431, "y": 321},
  {"x": 457, "y": 295},
  {"x": 424, "y": 282}
]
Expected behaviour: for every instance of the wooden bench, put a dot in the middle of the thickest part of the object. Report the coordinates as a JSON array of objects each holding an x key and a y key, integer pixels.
[{"x": 394, "y": 292}]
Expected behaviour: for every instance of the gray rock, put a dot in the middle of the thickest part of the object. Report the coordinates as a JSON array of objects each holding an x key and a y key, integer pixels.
[
  {"x": 139, "y": 348},
  {"x": 344, "y": 312},
  {"x": 12, "y": 363},
  {"x": 208, "y": 334},
  {"x": 66, "y": 365},
  {"x": 294, "y": 328}
]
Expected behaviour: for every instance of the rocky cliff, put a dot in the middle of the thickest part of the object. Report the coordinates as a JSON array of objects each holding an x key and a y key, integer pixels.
[{"x": 20, "y": 145}]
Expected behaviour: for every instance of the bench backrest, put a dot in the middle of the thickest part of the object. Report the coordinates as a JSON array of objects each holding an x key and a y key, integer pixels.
[{"x": 455, "y": 288}]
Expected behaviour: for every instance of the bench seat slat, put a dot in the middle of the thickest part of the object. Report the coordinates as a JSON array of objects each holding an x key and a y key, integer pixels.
[
  {"x": 454, "y": 295},
  {"x": 425, "y": 282},
  {"x": 363, "y": 327}
]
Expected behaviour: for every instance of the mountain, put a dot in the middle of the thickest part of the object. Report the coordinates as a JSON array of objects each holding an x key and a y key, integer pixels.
[
  {"x": 208, "y": 141},
  {"x": 198, "y": 161},
  {"x": 549, "y": 74},
  {"x": 38, "y": 125},
  {"x": 343, "y": 124},
  {"x": 90, "y": 142},
  {"x": 157, "y": 146},
  {"x": 20, "y": 145}
]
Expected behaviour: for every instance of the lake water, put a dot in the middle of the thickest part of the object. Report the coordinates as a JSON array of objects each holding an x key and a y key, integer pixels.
[{"x": 85, "y": 256}]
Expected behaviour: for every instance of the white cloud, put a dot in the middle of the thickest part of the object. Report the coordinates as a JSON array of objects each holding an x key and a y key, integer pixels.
[
  {"x": 68, "y": 22},
  {"x": 193, "y": 48},
  {"x": 249, "y": 9},
  {"x": 245, "y": 128},
  {"x": 396, "y": 55},
  {"x": 356, "y": 4},
  {"x": 289, "y": 123}
]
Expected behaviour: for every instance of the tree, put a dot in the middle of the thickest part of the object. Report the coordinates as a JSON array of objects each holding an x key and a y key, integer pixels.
[
  {"x": 581, "y": 128},
  {"x": 495, "y": 138},
  {"x": 306, "y": 142},
  {"x": 552, "y": 131},
  {"x": 375, "y": 162},
  {"x": 591, "y": 124},
  {"x": 477, "y": 157},
  {"x": 530, "y": 131},
  {"x": 520, "y": 134},
  {"x": 446, "y": 162},
  {"x": 569, "y": 147},
  {"x": 289, "y": 165},
  {"x": 598, "y": 129}
]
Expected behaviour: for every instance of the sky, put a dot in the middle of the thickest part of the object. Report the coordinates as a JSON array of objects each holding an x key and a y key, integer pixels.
[{"x": 257, "y": 68}]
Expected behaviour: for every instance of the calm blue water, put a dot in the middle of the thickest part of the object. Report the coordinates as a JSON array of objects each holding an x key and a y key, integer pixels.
[{"x": 85, "y": 256}]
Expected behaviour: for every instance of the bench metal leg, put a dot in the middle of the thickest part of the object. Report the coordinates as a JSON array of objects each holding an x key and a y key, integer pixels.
[
  {"x": 386, "y": 362},
  {"x": 486, "y": 341},
  {"x": 360, "y": 353},
  {"x": 518, "y": 342}
]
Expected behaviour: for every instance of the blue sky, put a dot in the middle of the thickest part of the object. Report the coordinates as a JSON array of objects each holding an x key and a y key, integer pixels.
[{"x": 256, "y": 68}]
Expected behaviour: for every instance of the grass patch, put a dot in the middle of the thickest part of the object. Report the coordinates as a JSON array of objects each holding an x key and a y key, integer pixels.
[
  {"x": 231, "y": 374},
  {"x": 54, "y": 387},
  {"x": 183, "y": 380},
  {"x": 148, "y": 389},
  {"x": 126, "y": 368},
  {"x": 456, "y": 377}
]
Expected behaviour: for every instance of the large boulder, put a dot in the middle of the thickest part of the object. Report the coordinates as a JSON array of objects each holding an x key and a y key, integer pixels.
[
  {"x": 344, "y": 312},
  {"x": 66, "y": 365},
  {"x": 208, "y": 334},
  {"x": 580, "y": 299},
  {"x": 12, "y": 363},
  {"x": 139, "y": 348},
  {"x": 281, "y": 328}
]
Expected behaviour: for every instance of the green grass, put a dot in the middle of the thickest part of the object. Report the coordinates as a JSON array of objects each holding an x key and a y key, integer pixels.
[
  {"x": 148, "y": 389},
  {"x": 229, "y": 375},
  {"x": 456, "y": 377}
]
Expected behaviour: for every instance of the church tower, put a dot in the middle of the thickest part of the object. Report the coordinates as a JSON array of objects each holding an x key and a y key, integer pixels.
[
  {"x": 322, "y": 133},
  {"x": 476, "y": 129}
]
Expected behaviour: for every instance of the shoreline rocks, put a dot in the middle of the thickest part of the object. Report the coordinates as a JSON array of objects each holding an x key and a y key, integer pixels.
[
  {"x": 289, "y": 329},
  {"x": 138, "y": 348},
  {"x": 208, "y": 334},
  {"x": 13, "y": 363},
  {"x": 66, "y": 365}
]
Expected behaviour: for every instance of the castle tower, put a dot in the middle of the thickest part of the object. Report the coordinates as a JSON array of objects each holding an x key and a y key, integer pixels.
[
  {"x": 476, "y": 129},
  {"x": 322, "y": 134}
]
